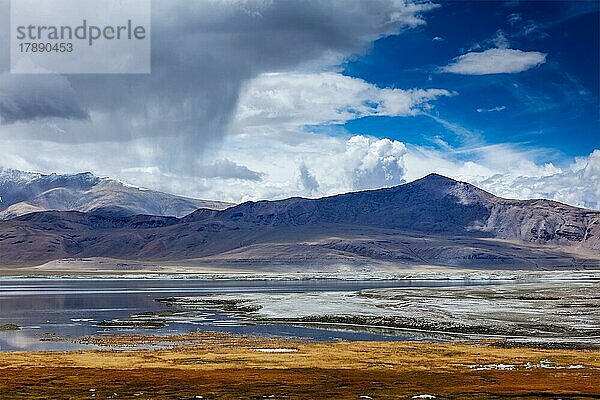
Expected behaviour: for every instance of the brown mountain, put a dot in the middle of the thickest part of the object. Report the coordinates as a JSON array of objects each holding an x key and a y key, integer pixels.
[{"x": 434, "y": 220}]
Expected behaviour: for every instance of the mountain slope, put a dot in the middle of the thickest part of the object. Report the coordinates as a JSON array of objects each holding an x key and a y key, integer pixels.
[
  {"x": 432, "y": 205},
  {"x": 428, "y": 205},
  {"x": 25, "y": 192},
  {"x": 434, "y": 220}
]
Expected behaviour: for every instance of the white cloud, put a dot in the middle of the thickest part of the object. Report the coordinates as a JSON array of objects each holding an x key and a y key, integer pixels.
[
  {"x": 312, "y": 165},
  {"x": 303, "y": 99},
  {"x": 406, "y": 12},
  {"x": 495, "y": 61},
  {"x": 578, "y": 185},
  {"x": 375, "y": 163}
]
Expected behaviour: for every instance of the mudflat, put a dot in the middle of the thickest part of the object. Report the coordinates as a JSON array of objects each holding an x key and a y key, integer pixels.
[{"x": 222, "y": 366}]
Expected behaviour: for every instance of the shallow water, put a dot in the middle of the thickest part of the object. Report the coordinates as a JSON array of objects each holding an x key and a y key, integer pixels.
[{"x": 70, "y": 308}]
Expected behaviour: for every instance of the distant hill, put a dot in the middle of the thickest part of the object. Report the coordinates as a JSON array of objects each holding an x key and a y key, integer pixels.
[
  {"x": 433, "y": 221},
  {"x": 25, "y": 192}
]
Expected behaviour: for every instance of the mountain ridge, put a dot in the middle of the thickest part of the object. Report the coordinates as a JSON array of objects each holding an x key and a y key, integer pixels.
[
  {"x": 434, "y": 220},
  {"x": 482, "y": 210}
]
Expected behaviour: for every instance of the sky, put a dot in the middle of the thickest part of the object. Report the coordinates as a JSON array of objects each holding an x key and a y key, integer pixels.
[{"x": 255, "y": 99}]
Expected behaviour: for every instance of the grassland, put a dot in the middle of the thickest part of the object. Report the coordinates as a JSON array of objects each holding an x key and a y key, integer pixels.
[{"x": 219, "y": 366}]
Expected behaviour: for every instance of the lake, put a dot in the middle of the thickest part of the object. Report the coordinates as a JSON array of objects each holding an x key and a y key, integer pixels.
[{"x": 72, "y": 307}]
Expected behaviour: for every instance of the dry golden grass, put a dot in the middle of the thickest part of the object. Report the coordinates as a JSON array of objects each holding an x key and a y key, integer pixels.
[{"x": 228, "y": 367}]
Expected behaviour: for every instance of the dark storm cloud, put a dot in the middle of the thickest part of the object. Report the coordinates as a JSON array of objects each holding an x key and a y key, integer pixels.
[{"x": 28, "y": 98}]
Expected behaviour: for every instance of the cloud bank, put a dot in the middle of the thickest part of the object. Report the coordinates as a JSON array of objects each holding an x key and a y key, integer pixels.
[{"x": 578, "y": 184}]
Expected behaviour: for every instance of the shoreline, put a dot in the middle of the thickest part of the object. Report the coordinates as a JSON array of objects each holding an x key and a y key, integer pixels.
[
  {"x": 410, "y": 273},
  {"x": 107, "y": 267},
  {"x": 224, "y": 366}
]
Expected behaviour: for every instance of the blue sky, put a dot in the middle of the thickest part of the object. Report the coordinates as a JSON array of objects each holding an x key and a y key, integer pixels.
[{"x": 552, "y": 106}]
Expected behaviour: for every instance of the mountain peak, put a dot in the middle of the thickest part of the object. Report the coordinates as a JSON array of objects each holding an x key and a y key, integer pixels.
[
  {"x": 438, "y": 186},
  {"x": 437, "y": 183},
  {"x": 437, "y": 178}
]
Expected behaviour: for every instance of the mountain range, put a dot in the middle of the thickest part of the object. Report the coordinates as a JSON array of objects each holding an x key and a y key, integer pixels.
[
  {"x": 26, "y": 192},
  {"x": 432, "y": 221}
]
